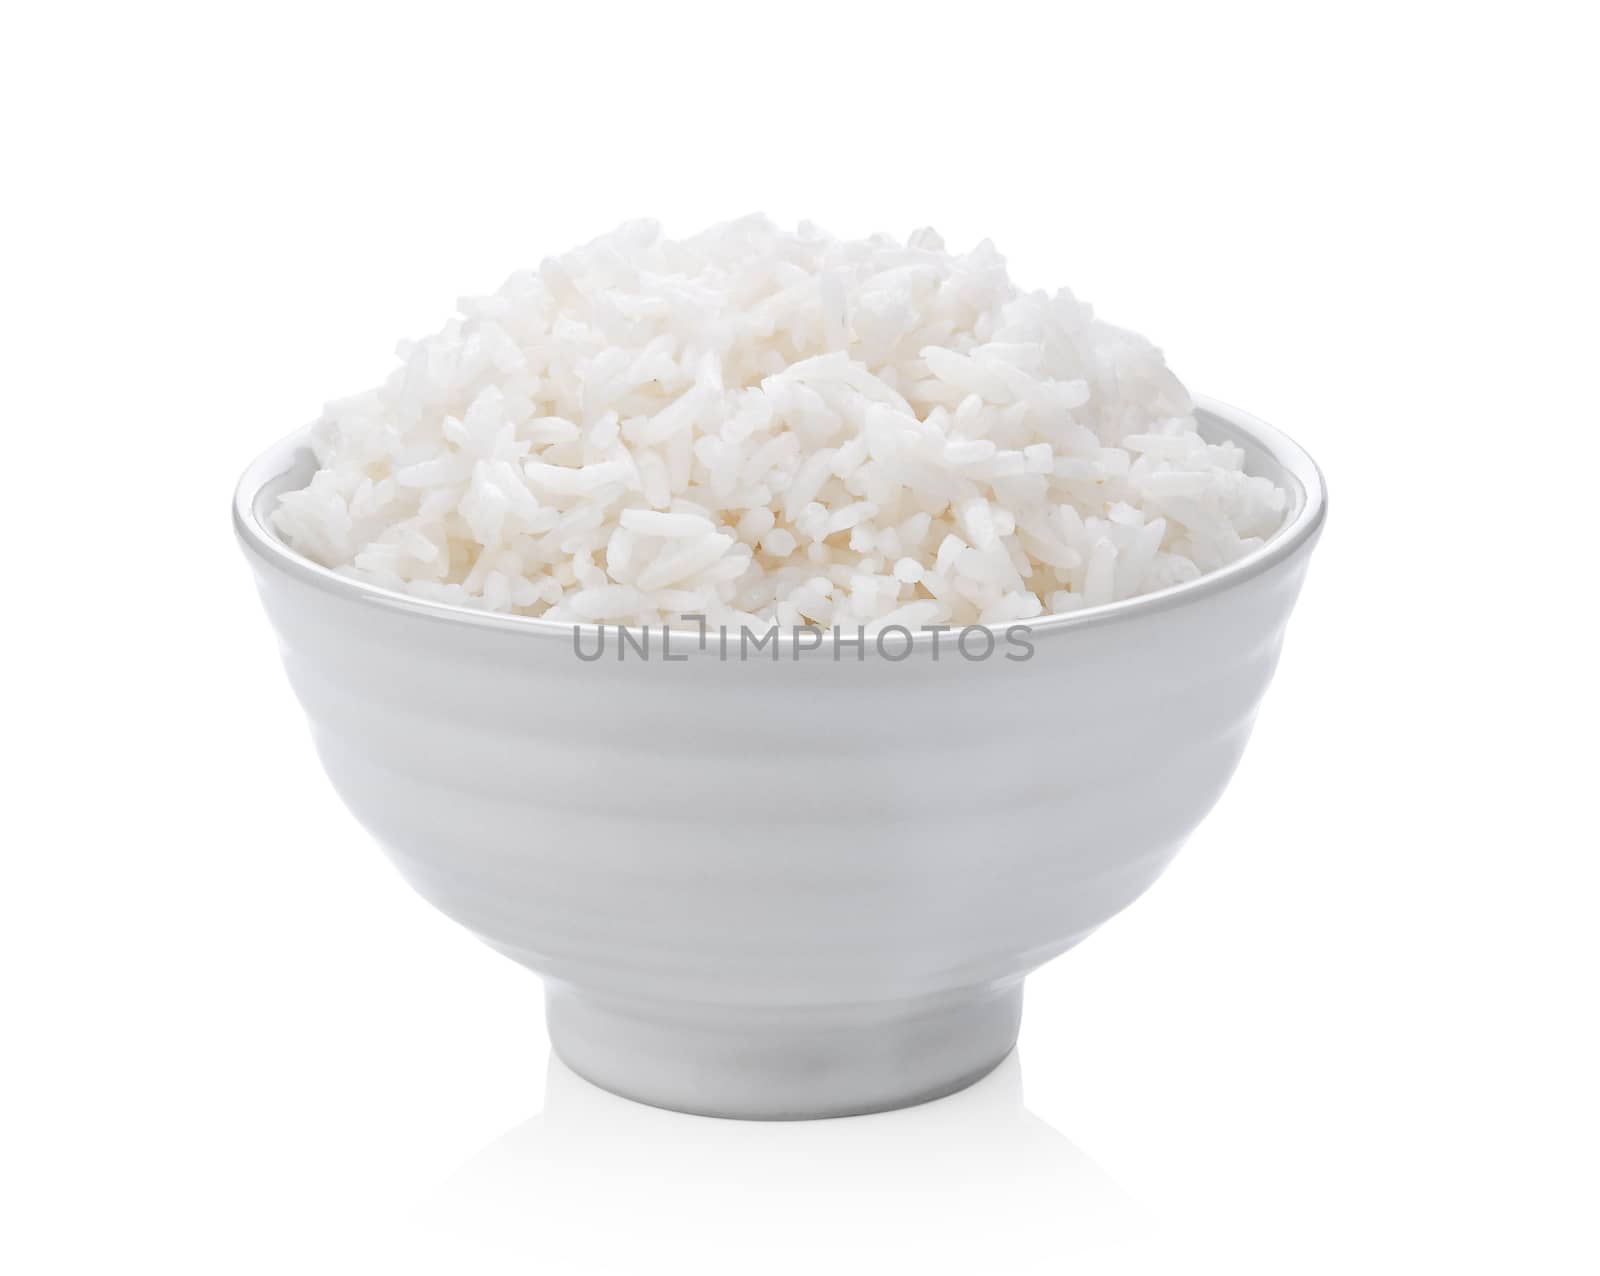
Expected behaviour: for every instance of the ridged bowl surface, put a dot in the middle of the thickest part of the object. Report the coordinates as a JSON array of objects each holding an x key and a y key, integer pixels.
[{"x": 794, "y": 887}]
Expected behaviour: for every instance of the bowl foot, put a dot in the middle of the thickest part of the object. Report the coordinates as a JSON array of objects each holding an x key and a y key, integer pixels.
[{"x": 792, "y": 1063}]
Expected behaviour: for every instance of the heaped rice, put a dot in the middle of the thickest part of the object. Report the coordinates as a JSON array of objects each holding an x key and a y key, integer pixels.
[{"x": 779, "y": 427}]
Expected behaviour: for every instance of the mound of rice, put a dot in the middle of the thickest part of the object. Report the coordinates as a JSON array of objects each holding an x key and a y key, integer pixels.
[{"x": 771, "y": 427}]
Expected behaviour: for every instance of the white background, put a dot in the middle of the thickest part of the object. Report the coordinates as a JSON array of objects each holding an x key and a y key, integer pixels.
[{"x": 1355, "y": 1026}]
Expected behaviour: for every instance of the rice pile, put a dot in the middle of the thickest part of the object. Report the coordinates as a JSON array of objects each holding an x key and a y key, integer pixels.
[{"x": 771, "y": 427}]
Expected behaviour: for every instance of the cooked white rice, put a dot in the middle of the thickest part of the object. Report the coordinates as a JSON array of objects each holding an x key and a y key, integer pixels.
[{"x": 771, "y": 427}]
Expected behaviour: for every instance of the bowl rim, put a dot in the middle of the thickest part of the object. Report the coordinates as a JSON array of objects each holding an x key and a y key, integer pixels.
[{"x": 1298, "y": 532}]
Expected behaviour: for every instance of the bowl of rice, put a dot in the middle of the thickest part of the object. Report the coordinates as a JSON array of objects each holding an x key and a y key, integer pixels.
[{"x": 782, "y": 644}]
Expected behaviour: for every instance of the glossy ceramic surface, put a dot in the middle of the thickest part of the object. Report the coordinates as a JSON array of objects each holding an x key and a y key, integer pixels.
[{"x": 783, "y": 888}]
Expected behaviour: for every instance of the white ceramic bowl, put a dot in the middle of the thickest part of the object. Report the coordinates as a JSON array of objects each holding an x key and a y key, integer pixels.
[{"x": 794, "y": 888}]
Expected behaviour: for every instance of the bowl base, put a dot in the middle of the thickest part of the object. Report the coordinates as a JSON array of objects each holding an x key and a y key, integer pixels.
[{"x": 783, "y": 1064}]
